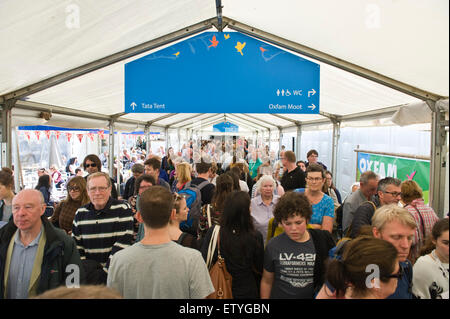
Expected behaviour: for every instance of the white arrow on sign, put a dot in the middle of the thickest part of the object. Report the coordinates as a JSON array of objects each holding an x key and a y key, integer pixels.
[
  {"x": 312, "y": 107},
  {"x": 133, "y": 105},
  {"x": 311, "y": 92}
]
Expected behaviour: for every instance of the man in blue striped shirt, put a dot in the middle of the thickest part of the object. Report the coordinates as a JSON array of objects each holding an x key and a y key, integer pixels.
[{"x": 101, "y": 228}]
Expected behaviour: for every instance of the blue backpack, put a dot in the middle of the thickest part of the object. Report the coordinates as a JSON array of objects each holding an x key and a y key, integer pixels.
[{"x": 193, "y": 198}]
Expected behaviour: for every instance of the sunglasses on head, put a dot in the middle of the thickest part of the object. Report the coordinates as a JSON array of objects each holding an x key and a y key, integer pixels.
[
  {"x": 90, "y": 165},
  {"x": 177, "y": 196}
]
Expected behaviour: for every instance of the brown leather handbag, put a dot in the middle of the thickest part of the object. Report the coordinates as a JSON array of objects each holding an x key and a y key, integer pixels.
[{"x": 220, "y": 277}]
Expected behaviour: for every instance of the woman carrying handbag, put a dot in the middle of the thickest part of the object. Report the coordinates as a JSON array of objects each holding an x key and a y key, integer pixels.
[{"x": 241, "y": 246}]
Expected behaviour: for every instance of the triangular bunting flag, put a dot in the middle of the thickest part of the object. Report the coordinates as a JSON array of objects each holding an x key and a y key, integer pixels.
[
  {"x": 47, "y": 133},
  {"x": 38, "y": 133},
  {"x": 80, "y": 137},
  {"x": 69, "y": 136}
]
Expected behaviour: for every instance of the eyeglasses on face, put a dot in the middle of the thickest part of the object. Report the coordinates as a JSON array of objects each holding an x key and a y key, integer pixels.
[
  {"x": 90, "y": 165},
  {"x": 73, "y": 189},
  {"x": 99, "y": 188},
  {"x": 398, "y": 275},
  {"x": 395, "y": 194},
  {"x": 315, "y": 179}
]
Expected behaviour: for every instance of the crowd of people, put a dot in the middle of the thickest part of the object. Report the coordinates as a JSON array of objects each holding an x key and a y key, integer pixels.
[{"x": 283, "y": 227}]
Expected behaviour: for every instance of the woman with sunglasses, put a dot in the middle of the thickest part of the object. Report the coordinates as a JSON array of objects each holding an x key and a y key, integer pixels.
[
  {"x": 368, "y": 269},
  {"x": 179, "y": 214},
  {"x": 77, "y": 197},
  {"x": 92, "y": 164}
]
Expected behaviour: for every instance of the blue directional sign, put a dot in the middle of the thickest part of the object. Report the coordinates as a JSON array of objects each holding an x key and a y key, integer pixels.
[
  {"x": 225, "y": 127},
  {"x": 222, "y": 73}
]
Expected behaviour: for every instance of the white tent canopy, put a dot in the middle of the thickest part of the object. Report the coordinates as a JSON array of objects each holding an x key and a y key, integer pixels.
[{"x": 376, "y": 58}]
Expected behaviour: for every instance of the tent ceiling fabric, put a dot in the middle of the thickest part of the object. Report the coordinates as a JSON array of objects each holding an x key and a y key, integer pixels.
[
  {"x": 40, "y": 39},
  {"x": 380, "y": 36},
  {"x": 405, "y": 40}
]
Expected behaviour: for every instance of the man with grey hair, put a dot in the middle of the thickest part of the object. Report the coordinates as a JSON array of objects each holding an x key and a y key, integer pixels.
[
  {"x": 101, "y": 228},
  {"x": 388, "y": 192},
  {"x": 368, "y": 188},
  {"x": 34, "y": 255}
]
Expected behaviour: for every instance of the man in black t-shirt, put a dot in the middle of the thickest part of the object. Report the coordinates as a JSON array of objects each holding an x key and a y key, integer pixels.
[{"x": 293, "y": 176}]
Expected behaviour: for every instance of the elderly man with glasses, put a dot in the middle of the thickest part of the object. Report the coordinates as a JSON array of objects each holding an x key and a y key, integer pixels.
[
  {"x": 388, "y": 192},
  {"x": 92, "y": 164},
  {"x": 101, "y": 228}
]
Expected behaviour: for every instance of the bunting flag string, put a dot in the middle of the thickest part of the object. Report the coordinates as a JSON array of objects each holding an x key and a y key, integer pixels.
[
  {"x": 57, "y": 133},
  {"x": 28, "y": 135},
  {"x": 101, "y": 134},
  {"x": 38, "y": 134},
  {"x": 69, "y": 136},
  {"x": 91, "y": 136},
  {"x": 80, "y": 137},
  {"x": 47, "y": 133}
]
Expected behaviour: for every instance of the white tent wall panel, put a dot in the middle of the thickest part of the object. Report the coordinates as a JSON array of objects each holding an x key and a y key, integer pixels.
[{"x": 390, "y": 139}]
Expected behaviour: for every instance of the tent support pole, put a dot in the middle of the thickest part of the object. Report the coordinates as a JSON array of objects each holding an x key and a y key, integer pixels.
[
  {"x": 298, "y": 139},
  {"x": 146, "y": 135},
  {"x": 335, "y": 148},
  {"x": 179, "y": 139},
  {"x": 111, "y": 148},
  {"x": 6, "y": 133},
  {"x": 438, "y": 160},
  {"x": 280, "y": 142},
  {"x": 166, "y": 136}
]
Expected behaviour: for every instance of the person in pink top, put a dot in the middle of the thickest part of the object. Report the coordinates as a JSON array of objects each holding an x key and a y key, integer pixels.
[{"x": 424, "y": 215}]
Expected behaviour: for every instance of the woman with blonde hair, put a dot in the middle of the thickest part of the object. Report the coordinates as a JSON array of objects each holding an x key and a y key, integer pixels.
[
  {"x": 183, "y": 176},
  {"x": 178, "y": 215},
  {"x": 77, "y": 197},
  {"x": 424, "y": 215}
]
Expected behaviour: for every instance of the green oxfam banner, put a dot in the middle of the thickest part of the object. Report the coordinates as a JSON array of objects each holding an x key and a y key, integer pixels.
[{"x": 399, "y": 167}]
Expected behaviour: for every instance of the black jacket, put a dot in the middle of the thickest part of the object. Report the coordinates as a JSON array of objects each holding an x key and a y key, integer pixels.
[
  {"x": 59, "y": 252},
  {"x": 363, "y": 215},
  {"x": 323, "y": 242},
  {"x": 129, "y": 188}
]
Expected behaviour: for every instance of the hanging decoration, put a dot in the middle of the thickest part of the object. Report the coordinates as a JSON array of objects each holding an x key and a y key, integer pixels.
[
  {"x": 91, "y": 136},
  {"x": 38, "y": 134},
  {"x": 101, "y": 134},
  {"x": 69, "y": 136},
  {"x": 28, "y": 135},
  {"x": 47, "y": 133},
  {"x": 80, "y": 137},
  {"x": 57, "y": 133}
]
